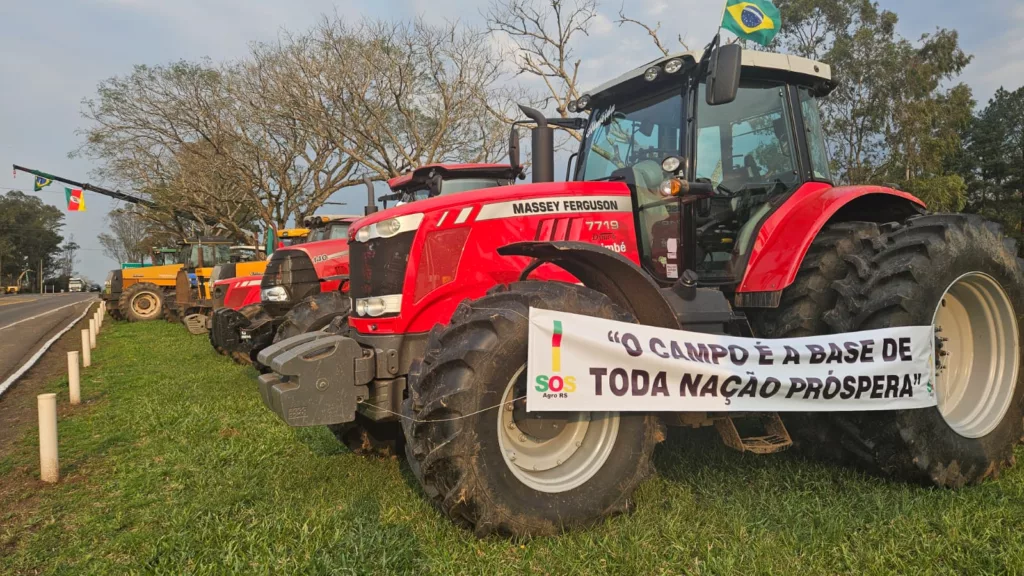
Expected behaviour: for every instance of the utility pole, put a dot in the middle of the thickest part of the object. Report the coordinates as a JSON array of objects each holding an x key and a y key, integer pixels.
[{"x": 40, "y": 275}]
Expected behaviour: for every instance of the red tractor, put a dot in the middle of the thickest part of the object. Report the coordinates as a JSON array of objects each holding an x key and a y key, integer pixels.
[
  {"x": 304, "y": 286},
  {"x": 702, "y": 200}
]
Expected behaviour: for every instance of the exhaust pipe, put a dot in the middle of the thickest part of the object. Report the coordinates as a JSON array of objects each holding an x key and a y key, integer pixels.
[
  {"x": 371, "y": 204},
  {"x": 543, "y": 143}
]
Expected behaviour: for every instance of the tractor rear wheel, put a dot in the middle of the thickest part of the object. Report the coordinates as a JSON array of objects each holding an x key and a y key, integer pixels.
[
  {"x": 141, "y": 302},
  {"x": 961, "y": 275},
  {"x": 487, "y": 463},
  {"x": 802, "y": 310}
]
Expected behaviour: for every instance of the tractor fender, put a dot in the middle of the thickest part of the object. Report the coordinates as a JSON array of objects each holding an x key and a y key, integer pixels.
[
  {"x": 787, "y": 233},
  {"x": 610, "y": 273}
]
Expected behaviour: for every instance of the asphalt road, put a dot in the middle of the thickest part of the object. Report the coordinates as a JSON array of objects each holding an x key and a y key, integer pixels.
[{"x": 27, "y": 321}]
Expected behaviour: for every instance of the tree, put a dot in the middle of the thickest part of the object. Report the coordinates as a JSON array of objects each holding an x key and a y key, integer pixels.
[
  {"x": 29, "y": 233},
  {"x": 66, "y": 258},
  {"x": 396, "y": 96},
  {"x": 268, "y": 139},
  {"x": 542, "y": 34},
  {"x": 896, "y": 116},
  {"x": 127, "y": 240},
  {"x": 992, "y": 161}
]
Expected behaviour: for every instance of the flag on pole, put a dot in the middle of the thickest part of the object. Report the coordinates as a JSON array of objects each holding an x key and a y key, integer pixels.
[
  {"x": 756, "y": 20},
  {"x": 76, "y": 199},
  {"x": 40, "y": 183}
]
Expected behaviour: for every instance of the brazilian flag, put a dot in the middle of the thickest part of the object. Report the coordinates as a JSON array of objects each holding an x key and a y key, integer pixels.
[
  {"x": 756, "y": 20},
  {"x": 41, "y": 183}
]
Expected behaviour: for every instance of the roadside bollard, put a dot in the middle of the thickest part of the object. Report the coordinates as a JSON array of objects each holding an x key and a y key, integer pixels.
[
  {"x": 92, "y": 333},
  {"x": 86, "y": 355},
  {"x": 49, "y": 466},
  {"x": 74, "y": 383}
]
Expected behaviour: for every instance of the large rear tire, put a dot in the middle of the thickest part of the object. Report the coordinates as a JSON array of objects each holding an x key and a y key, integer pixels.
[
  {"x": 960, "y": 274},
  {"x": 486, "y": 463},
  {"x": 802, "y": 310},
  {"x": 142, "y": 302}
]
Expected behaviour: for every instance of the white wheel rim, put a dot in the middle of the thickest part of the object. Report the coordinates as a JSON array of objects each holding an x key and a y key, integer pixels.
[
  {"x": 561, "y": 463},
  {"x": 144, "y": 304},
  {"x": 978, "y": 354}
]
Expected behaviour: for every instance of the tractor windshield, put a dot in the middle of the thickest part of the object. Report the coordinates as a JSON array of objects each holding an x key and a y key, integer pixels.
[
  {"x": 635, "y": 135},
  {"x": 212, "y": 254},
  {"x": 330, "y": 231}
]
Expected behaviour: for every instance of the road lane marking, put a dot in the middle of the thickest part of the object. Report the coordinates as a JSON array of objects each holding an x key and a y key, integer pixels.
[
  {"x": 18, "y": 302},
  {"x": 35, "y": 357},
  {"x": 12, "y": 324}
]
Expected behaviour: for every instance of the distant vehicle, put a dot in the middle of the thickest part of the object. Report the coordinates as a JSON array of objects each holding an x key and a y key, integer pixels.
[
  {"x": 95, "y": 288},
  {"x": 76, "y": 285}
]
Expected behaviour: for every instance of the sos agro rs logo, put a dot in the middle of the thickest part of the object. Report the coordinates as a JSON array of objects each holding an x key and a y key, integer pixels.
[{"x": 555, "y": 385}]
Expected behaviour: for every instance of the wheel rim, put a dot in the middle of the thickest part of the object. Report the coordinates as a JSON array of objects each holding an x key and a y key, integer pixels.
[
  {"x": 563, "y": 462},
  {"x": 976, "y": 331},
  {"x": 145, "y": 305}
]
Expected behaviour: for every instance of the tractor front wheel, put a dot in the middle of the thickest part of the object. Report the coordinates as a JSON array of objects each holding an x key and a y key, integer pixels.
[
  {"x": 142, "y": 302},
  {"x": 312, "y": 314},
  {"x": 490, "y": 465},
  {"x": 961, "y": 275}
]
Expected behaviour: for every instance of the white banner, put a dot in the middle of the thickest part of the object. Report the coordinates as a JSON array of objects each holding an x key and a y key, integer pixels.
[{"x": 581, "y": 363}]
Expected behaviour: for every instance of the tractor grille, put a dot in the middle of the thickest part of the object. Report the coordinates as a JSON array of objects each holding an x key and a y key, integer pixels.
[
  {"x": 294, "y": 270},
  {"x": 377, "y": 267}
]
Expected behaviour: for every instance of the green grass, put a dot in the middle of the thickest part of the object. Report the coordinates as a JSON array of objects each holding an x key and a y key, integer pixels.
[{"x": 174, "y": 466}]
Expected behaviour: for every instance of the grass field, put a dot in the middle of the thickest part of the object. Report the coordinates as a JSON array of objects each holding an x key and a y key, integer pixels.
[{"x": 174, "y": 466}]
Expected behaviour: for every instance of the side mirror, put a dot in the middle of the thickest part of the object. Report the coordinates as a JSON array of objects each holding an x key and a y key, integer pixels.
[
  {"x": 724, "y": 78},
  {"x": 513, "y": 149}
]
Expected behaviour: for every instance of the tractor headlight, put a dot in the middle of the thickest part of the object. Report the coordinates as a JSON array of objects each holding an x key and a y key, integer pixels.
[
  {"x": 583, "y": 103},
  {"x": 670, "y": 187},
  {"x": 674, "y": 65},
  {"x": 571, "y": 106},
  {"x": 361, "y": 307},
  {"x": 651, "y": 73},
  {"x": 375, "y": 306},
  {"x": 388, "y": 228},
  {"x": 275, "y": 294},
  {"x": 670, "y": 164},
  {"x": 363, "y": 234}
]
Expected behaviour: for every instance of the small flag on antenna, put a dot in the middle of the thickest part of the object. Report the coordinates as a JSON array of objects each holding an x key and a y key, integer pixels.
[{"x": 40, "y": 183}]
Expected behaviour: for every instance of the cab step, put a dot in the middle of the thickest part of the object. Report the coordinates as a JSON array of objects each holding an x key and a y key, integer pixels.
[{"x": 775, "y": 437}]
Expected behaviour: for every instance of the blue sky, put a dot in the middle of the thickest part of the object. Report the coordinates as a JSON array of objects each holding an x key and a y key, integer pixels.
[{"x": 56, "y": 51}]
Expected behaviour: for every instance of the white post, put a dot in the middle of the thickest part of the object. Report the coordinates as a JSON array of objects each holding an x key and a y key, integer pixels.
[
  {"x": 86, "y": 354},
  {"x": 92, "y": 333},
  {"x": 49, "y": 466},
  {"x": 74, "y": 383}
]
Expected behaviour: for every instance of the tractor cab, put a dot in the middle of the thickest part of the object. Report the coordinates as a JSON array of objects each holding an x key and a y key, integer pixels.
[
  {"x": 705, "y": 174},
  {"x": 327, "y": 226},
  {"x": 439, "y": 179}
]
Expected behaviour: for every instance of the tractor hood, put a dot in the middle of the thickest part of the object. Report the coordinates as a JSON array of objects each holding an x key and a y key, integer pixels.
[{"x": 502, "y": 195}]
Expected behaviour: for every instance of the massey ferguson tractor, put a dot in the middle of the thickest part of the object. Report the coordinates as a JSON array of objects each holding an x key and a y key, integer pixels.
[
  {"x": 702, "y": 200},
  {"x": 307, "y": 286}
]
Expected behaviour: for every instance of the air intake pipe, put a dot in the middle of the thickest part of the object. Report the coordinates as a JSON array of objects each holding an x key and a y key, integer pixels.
[
  {"x": 371, "y": 204},
  {"x": 543, "y": 144}
]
